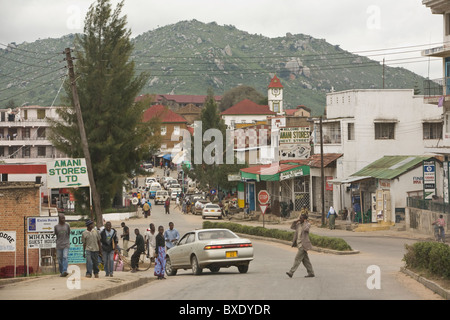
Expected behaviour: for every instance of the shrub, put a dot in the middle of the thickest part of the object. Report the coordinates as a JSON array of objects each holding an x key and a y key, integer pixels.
[
  {"x": 318, "y": 241},
  {"x": 431, "y": 256}
]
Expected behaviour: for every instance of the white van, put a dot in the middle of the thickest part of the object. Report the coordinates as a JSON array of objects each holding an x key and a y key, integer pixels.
[
  {"x": 155, "y": 186},
  {"x": 161, "y": 196}
]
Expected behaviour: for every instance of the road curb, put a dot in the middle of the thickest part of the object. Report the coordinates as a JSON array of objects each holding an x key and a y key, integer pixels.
[
  {"x": 117, "y": 289},
  {"x": 427, "y": 283}
]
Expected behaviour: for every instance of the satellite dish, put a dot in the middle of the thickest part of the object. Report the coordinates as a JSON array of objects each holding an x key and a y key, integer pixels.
[{"x": 135, "y": 201}]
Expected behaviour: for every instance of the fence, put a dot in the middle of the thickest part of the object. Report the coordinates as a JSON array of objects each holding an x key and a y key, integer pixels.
[{"x": 438, "y": 207}]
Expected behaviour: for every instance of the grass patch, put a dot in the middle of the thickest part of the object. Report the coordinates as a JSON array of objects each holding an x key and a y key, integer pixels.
[{"x": 318, "y": 241}]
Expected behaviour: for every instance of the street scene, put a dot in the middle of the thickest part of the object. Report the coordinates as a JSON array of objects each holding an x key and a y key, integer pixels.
[{"x": 184, "y": 160}]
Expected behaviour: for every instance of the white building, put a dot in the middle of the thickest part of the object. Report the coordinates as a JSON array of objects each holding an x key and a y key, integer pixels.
[
  {"x": 366, "y": 125},
  {"x": 24, "y": 135},
  {"x": 437, "y": 91}
]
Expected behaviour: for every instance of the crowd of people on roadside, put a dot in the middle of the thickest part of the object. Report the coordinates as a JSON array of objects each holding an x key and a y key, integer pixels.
[{"x": 101, "y": 247}]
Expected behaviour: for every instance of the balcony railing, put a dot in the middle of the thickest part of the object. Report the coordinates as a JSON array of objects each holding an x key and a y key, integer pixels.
[{"x": 436, "y": 87}]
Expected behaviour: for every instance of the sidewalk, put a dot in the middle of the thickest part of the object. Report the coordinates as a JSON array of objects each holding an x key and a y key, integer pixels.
[{"x": 54, "y": 287}]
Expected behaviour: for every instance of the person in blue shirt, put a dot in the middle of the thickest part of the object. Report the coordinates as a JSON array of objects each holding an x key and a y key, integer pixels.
[{"x": 171, "y": 236}]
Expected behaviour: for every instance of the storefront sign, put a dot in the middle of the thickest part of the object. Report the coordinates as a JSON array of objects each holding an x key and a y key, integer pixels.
[
  {"x": 42, "y": 224},
  {"x": 294, "y": 135},
  {"x": 7, "y": 241},
  {"x": 291, "y": 174},
  {"x": 76, "y": 247},
  {"x": 67, "y": 173},
  {"x": 42, "y": 241},
  {"x": 429, "y": 179}
]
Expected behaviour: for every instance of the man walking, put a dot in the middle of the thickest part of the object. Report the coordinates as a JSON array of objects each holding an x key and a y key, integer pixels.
[
  {"x": 302, "y": 242},
  {"x": 167, "y": 206},
  {"x": 91, "y": 249},
  {"x": 62, "y": 232},
  {"x": 109, "y": 244}
]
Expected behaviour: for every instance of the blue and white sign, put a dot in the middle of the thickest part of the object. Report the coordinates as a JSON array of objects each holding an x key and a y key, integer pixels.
[{"x": 429, "y": 179}]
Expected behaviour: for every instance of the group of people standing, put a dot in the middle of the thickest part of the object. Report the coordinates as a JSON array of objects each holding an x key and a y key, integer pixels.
[{"x": 154, "y": 244}]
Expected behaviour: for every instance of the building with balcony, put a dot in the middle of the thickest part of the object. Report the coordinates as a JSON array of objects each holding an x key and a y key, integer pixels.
[
  {"x": 365, "y": 126},
  {"x": 438, "y": 91},
  {"x": 24, "y": 134}
]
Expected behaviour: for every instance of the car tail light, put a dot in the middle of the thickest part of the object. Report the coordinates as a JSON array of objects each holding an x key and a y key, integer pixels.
[{"x": 228, "y": 246}]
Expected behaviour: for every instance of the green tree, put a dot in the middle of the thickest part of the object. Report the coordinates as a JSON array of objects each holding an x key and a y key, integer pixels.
[
  {"x": 237, "y": 94},
  {"x": 215, "y": 174},
  {"x": 107, "y": 86}
]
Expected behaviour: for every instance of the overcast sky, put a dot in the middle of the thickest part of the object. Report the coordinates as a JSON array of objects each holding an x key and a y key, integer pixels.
[{"x": 355, "y": 25}]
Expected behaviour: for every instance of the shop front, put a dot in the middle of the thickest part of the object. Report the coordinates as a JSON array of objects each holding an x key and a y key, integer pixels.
[{"x": 287, "y": 184}]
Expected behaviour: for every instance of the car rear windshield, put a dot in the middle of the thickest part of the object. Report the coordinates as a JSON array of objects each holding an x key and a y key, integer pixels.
[{"x": 216, "y": 234}]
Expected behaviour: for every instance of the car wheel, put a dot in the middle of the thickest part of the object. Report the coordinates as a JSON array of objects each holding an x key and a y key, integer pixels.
[
  {"x": 195, "y": 268},
  {"x": 243, "y": 268},
  {"x": 169, "y": 269}
]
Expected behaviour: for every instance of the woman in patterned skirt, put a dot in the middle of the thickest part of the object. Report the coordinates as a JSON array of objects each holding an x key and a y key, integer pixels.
[{"x": 160, "y": 253}]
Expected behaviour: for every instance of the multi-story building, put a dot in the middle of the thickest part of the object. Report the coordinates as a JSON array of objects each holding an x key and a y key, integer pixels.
[
  {"x": 437, "y": 91},
  {"x": 365, "y": 126},
  {"x": 24, "y": 134}
]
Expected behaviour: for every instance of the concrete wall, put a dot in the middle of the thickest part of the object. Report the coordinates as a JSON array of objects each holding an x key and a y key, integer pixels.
[{"x": 420, "y": 221}]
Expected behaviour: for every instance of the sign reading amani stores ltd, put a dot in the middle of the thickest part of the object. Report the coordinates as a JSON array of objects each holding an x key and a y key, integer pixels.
[{"x": 67, "y": 173}]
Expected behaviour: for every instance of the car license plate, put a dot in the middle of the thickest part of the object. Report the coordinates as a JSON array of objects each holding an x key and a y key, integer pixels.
[{"x": 231, "y": 254}]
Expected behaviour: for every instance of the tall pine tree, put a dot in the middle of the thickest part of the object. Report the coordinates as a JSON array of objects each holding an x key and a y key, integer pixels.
[{"x": 107, "y": 86}]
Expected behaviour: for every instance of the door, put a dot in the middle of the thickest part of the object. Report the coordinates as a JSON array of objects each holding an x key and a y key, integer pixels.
[{"x": 251, "y": 196}]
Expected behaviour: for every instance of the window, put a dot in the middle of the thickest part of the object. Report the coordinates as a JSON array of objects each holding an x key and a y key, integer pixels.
[
  {"x": 331, "y": 132},
  {"x": 447, "y": 24},
  {"x": 41, "y": 113},
  {"x": 176, "y": 130},
  {"x": 26, "y": 133},
  {"x": 41, "y": 152},
  {"x": 276, "y": 107},
  {"x": 432, "y": 130},
  {"x": 26, "y": 152},
  {"x": 384, "y": 131},
  {"x": 350, "y": 131},
  {"x": 41, "y": 133},
  {"x": 163, "y": 130}
]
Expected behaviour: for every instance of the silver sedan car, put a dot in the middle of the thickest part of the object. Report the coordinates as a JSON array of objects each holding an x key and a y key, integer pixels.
[{"x": 209, "y": 248}]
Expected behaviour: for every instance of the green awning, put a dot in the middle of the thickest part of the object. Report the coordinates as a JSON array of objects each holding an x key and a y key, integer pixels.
[
  {"x": 283, "y": 172},
  {"x": 390, "y": 167}
]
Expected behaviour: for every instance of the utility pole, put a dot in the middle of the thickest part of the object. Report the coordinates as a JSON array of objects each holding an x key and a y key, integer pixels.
[
  {"x": 84, "y": 142},
  {"x": 383, "y": 73},
  {"x": 322, "y": 177}
]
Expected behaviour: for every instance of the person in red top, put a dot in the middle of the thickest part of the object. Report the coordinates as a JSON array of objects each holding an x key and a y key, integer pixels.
[{"x": 439, "y": 225}]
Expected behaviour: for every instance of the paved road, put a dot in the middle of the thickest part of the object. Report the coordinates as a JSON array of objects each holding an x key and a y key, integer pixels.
[{"x": 337, "y": 276}]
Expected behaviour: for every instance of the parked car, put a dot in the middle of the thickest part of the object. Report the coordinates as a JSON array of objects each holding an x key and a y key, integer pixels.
[
  {"x": 161, "y": 196},
  {"x": 168, "y": 182},
  {"x": 175, "y": 187},
  {"x": 148, "y": 167},
  {"x": 209, "y": 248},
  {"x": 149, "y": 181},
  {"x": 211, "y": 210}
]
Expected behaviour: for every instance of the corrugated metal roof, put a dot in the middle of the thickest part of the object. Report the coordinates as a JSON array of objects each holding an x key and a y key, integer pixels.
[{"x": 390, "y": 167}]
